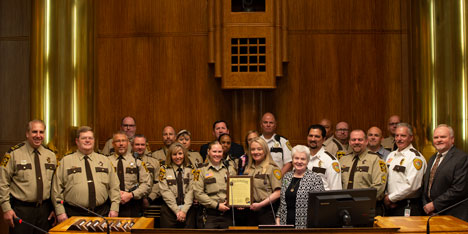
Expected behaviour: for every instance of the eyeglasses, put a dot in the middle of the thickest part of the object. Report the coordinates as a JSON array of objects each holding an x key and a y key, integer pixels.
[
  {"x": 342, "y": 130},
  {"x": 391, "y": 124},
  {"x": 128, "y": 125}
]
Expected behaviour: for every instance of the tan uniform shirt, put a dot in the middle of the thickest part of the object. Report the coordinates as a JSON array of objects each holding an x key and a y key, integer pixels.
[
  {"x": 388, "y": 143},
  {"x": 337, "y": 149},
  {"x": 210, "y": 184},
  {"x": 371, "y": 172},
  {"x": 136, "y": 176},
  {"x": 18, "y": 174},
  {"x": 70, "y": 182},
  {"x": 266, "y": 179},
  {"x": 168, "y": 186},
  {"x": 160, "y": 155},
  {"x": 195, "y": 159},
  {"x": 153, "y": 167}
]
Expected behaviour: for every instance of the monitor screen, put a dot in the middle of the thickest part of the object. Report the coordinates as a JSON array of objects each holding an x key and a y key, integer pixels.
[{"x": 342, "y": 208}]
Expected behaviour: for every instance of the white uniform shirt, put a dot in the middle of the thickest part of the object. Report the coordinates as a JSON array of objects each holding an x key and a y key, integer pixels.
[
  {"x": 278, "y": 157},
  {"x": 328, "y": 168},
  {"x": 405, "y": 173}
]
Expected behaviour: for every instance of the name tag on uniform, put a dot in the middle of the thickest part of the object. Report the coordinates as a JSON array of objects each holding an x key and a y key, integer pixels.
[
  {"x": 399, "y": 168},
  {"x": 320, "y": 170},
  {"x": 131, "y": 170},
  {"x": 102, "y": 169},
  {"x": 362, "y": 169},
  {"x": 210, "y": 180},
  {"x": 74, "y": 170},
  {"x": 171, "y": 182},
  {"x": 49, "y": 166},
  {"x": 345, "y": 169},
  {"x": 25, "y": 166}
]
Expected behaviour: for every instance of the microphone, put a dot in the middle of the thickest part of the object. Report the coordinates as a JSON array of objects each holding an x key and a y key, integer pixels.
[
  {"x": 232, "y": 204},
  {"x": 21, "y": 221},
  {"x": 443, "y": 210},
  {"x": 89, "y": 211}
]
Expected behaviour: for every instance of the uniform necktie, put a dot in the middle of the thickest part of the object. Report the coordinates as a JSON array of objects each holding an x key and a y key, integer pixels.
[
  {"x": 180, "y": 189},
  {"x": 91, "y": 189},
  {"x": 433, "y": 171},
  {"x": 120, "y": 173},
  {"x": 353, "y": 170},
  {"x": 395, "y": 147},
  {"x": 40, "y": 185}
]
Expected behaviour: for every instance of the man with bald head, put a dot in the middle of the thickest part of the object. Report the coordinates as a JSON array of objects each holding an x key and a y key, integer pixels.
[
  {"x": 446, "y": 179},
  {"x": 169, "y": 137},
  {"x": 338, "y": 145},
  {"x": 362, "y": 168},
  {"x": 374, "y": 135},
  {"x": 389, "y": 142},
  {"x": 280, "y": 148},
  {"x": 127, "y": 125},
  {"x": 327, "y": 124}
]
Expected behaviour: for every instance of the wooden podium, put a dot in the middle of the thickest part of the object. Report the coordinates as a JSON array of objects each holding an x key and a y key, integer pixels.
[
  {"x": 417, "y": 224},
  {"x": 64, "y": 227}
]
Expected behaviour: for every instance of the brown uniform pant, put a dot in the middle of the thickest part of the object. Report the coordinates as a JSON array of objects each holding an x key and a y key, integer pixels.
[{"x": 32, "y": 213}]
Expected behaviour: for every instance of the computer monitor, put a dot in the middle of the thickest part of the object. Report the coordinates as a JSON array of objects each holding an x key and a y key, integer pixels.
[{"x": 342, "y": 208}]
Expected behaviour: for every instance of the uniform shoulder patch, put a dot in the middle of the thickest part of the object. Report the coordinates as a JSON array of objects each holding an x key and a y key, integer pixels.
[
  {"x": 340, "y": 154},
  {"x": 415, "y": 152},
  {"x": 277, "y": 174},
  {"x": 383, "y": 166},
  {"x": 144, "y": 166},
  {"x": 196, "y": 174},
  {"x": 288, "y": 145},
  {"x": 336, "y": 167},
  {"x": 331, "y": 156},
  {"x": 417, "y": 163},
  {"x": 13, "y": 148},
  {"x": 162, "y": 173},
  {"x": 5, "y": 159}
]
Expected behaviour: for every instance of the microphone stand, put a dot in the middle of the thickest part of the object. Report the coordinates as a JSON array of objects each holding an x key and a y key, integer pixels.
[
  {"x": 443, "y": 210},
  {"x": 232, "y": 204},
  {"x": 21, "y": 221},
  {"x": 89, "y": 211}
]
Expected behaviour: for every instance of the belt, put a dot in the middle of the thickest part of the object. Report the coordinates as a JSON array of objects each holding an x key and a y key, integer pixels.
[
  {"x": 16, "y": 202},
  {"x": 215, "y": 212}
]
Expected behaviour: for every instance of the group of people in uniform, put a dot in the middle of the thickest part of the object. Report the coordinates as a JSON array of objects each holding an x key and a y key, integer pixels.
[{"x": 126, "y": 177}]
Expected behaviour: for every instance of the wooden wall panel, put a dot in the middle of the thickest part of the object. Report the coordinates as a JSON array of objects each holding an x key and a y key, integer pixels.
[
  {"x": 15, "y": 25},
  {"x": 347, "y": 61}
]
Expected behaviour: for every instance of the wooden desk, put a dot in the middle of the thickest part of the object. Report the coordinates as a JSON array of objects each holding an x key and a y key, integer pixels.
[
  {"x": 140, "y": 223},
  {"x": 417, "y": 224}
]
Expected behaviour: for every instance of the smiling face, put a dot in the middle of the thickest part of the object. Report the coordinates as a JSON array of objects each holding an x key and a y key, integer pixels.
[
  {"x": 139, "y": 145},
  {"x": 215, "y": 154},
  {"x": 85, "y": 142},
  {"x": 403, "y": 138},
  {"x": 120, "y": 143},
  {"x": 177, "y": 156},
  {"x": 225, "y": 143},
  {"x": 257, "y": 152},
  {"x": 314, "y": 138},
  {"x": 300, "y": 161},
  {"x": 358, "y": 141},
  {"x": 35, "y": 134},
  {"x": 128, "y": 126},
  {"x": 268, "y": 124},
  {"x": 442, "y": 139},
  {"x": 374, "y": 135}
]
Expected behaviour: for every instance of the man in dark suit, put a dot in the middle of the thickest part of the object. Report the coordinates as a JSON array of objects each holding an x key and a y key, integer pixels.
[
  {"x": 446, "y": 179},
  {"x": 220, "y": 127}
]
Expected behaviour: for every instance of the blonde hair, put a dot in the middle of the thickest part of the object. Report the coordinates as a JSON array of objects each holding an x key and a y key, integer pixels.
[
  {"x": 266, "y": 151},
  {"x": 176, "y": 146}
]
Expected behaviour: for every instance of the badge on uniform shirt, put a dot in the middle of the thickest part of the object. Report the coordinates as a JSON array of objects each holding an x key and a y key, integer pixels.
[
  {"x": 277, "y": 174},
  {"x": 402, "y": 161},
  {"x": 383, "y": 166},
  {"x": 336, "y": 167},
  {"x": 5, "y": 160},
  {"x": 417, "y": 163},
  {"x": 48, "y": 160},
  {"x": 340, "y": 154},
  {"x": 23, "y": 162},
  {"x": 169, "y": 177},
  {"x": 100, "y": 163},
  {"x": 276, "y": 145},
  {"x": 288, "y": 145},
  {"x": 132, "y": 164},
  {"x": 320, "y": 164}
]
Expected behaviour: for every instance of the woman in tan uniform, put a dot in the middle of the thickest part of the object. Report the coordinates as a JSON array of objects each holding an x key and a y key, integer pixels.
[
  {"x": 210, "y": 188},
  {"x": 176, "y": 186},
  {"x": 184, "y": 137},
  {"x": 267, "y": 183}
]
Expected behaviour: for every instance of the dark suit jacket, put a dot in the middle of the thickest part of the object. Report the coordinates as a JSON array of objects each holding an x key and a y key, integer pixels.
[
  {"x": 450, "y": 183},
  {"x": 236, "y": 150}
]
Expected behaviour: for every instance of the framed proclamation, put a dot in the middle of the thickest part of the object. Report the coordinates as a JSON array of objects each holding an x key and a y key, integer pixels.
[{"x": 239, "y": 191}]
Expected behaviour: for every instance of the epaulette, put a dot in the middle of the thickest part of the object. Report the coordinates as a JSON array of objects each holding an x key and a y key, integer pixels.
[
  {"x": 164, "y": 166},
  {"x": 47, "y": 148},
  {"x": 370, "y": 152},
  {"x": 203, "y": 164},
  {"x": 278, "y": 137},
  {"x": 101, "y": 154},
  {"x": 190, "y": 166},
  {"x": 337, "y": 143},
  {"x": 13, "y": 148},
  {"x": 331, "y": 156},
  {"x": 415, "y": 152},
  {"x": 68, "y": 154}
]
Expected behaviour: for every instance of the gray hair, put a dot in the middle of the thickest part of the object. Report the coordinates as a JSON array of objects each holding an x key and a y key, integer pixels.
[
  {"x": 452, "y": 134},
  {"x": 301, "y": 149},
  {"x": 406, "y": 125}
]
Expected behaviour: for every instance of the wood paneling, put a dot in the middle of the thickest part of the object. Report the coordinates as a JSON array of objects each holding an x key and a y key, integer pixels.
[
  {"x": 15, "y": 17},
  {"x": 347, "y": 61}
]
